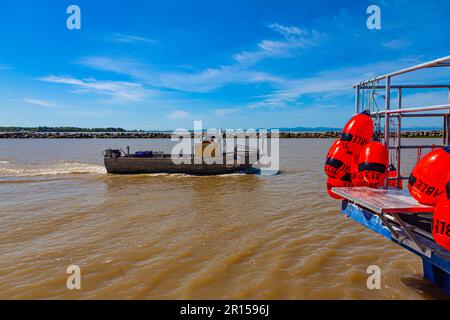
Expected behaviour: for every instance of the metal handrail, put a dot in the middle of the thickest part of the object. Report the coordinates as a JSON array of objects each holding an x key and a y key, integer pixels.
[
  {"x": 417, "y": 109},
  {"x": 409, "y": 86},
  {"x": 400, "y": 112},
  {"x": 441, "y": 62},
  {"x": 416, "y": 147}
]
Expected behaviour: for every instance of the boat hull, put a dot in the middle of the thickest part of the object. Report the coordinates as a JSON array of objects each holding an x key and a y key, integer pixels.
[{"x": 134, "y": 165}]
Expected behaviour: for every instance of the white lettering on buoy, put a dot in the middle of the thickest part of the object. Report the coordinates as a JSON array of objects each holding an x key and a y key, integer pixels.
[{"x": 374, "y": 280}]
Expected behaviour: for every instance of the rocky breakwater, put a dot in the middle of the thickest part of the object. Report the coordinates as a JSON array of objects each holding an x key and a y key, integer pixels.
[
  {"x": 84, "y": 135},
  {"x": 167, "y": 135}
]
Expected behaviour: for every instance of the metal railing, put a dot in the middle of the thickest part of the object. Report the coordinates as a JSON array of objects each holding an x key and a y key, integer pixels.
[{"x": 387, "y": 113}]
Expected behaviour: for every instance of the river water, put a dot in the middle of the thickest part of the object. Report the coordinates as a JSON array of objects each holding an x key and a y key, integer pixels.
[{"x": 237, "y": 236}]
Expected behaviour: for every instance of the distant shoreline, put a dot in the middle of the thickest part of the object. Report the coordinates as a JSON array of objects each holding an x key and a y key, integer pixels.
[{"x": 166, "y": 135}]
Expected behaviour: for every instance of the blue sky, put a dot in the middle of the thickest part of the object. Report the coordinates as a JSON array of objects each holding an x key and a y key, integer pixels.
[{"x": 233, "y": 64}]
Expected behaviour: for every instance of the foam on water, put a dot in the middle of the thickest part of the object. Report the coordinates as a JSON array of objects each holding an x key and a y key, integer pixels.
[
  {"x": 54, "y": 169},
  {"x": 186, "y": 175}
]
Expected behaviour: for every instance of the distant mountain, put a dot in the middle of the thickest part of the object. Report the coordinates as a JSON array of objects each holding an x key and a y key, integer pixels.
[{"x": 422, "y": 129}]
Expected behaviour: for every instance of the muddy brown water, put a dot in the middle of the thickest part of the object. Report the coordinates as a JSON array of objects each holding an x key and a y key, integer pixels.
[{"x": 184, "y": 237}]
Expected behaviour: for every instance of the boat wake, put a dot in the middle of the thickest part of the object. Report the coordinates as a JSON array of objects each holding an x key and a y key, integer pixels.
[{"x": 62, "y": 168}]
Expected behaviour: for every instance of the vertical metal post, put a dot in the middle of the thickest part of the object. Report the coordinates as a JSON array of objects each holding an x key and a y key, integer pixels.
[
  {"x": 447, "y": 124},
  {"x": 386, "y": 117},
  {"x": 357, "y": 99},
  {"x": 445, "y": 129},
  {"x": 399, "y": 138}
]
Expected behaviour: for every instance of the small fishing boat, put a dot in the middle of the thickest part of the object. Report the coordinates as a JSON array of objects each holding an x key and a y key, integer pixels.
[
  {"x": 209, "y": 158},
  {"x": 417, "y": 219}
]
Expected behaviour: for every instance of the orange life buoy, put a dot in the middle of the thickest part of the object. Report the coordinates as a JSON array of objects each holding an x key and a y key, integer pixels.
[
  {"x": 357, "y": 180},
  {"x": 441, "y": 220},
  {"x": 338, "y": 161},
  {"x": 345, "y": 181},
  {"x": 392, "y": 173},
  {"x": 333, "y": 146},
  {"x": 357, "y": 132},
  {"x": 427, "y": 181},
  {"x": 373, "y": 164}
]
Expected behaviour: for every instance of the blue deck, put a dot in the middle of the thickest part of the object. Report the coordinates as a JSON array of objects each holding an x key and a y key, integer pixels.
[{"x": 436, "y": 260}]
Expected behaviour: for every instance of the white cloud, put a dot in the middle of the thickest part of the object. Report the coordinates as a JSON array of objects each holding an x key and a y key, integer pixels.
[
  {"x": 286, "y": 31},
  {"x": 294, "y": 39},
  {"x": 5, "y": 67},
  {"x": 426, "y": 98},
  {"x": 118, "y": 90},
  {"x": 396, "y": 44},
  {"x": 127, "y": 38},
  {"x": 226, "y": 111},
  {"x": 40, "y": 103},
  {"x": 178, "y": 115},
  {"x": 286, "y": 92},
  {"x": 202, "y": 81},
  {"x": 332, "y": 82},
  {"x": 211, "y": 79}
]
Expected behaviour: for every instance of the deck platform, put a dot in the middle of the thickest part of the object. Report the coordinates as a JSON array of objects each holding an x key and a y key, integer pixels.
[
  {"x": 398, "y": 217},
  {"x": 383, "y": 200}
]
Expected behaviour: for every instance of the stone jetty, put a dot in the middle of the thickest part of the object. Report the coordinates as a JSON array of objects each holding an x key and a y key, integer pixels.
[{"x": 167, "y": 135}]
